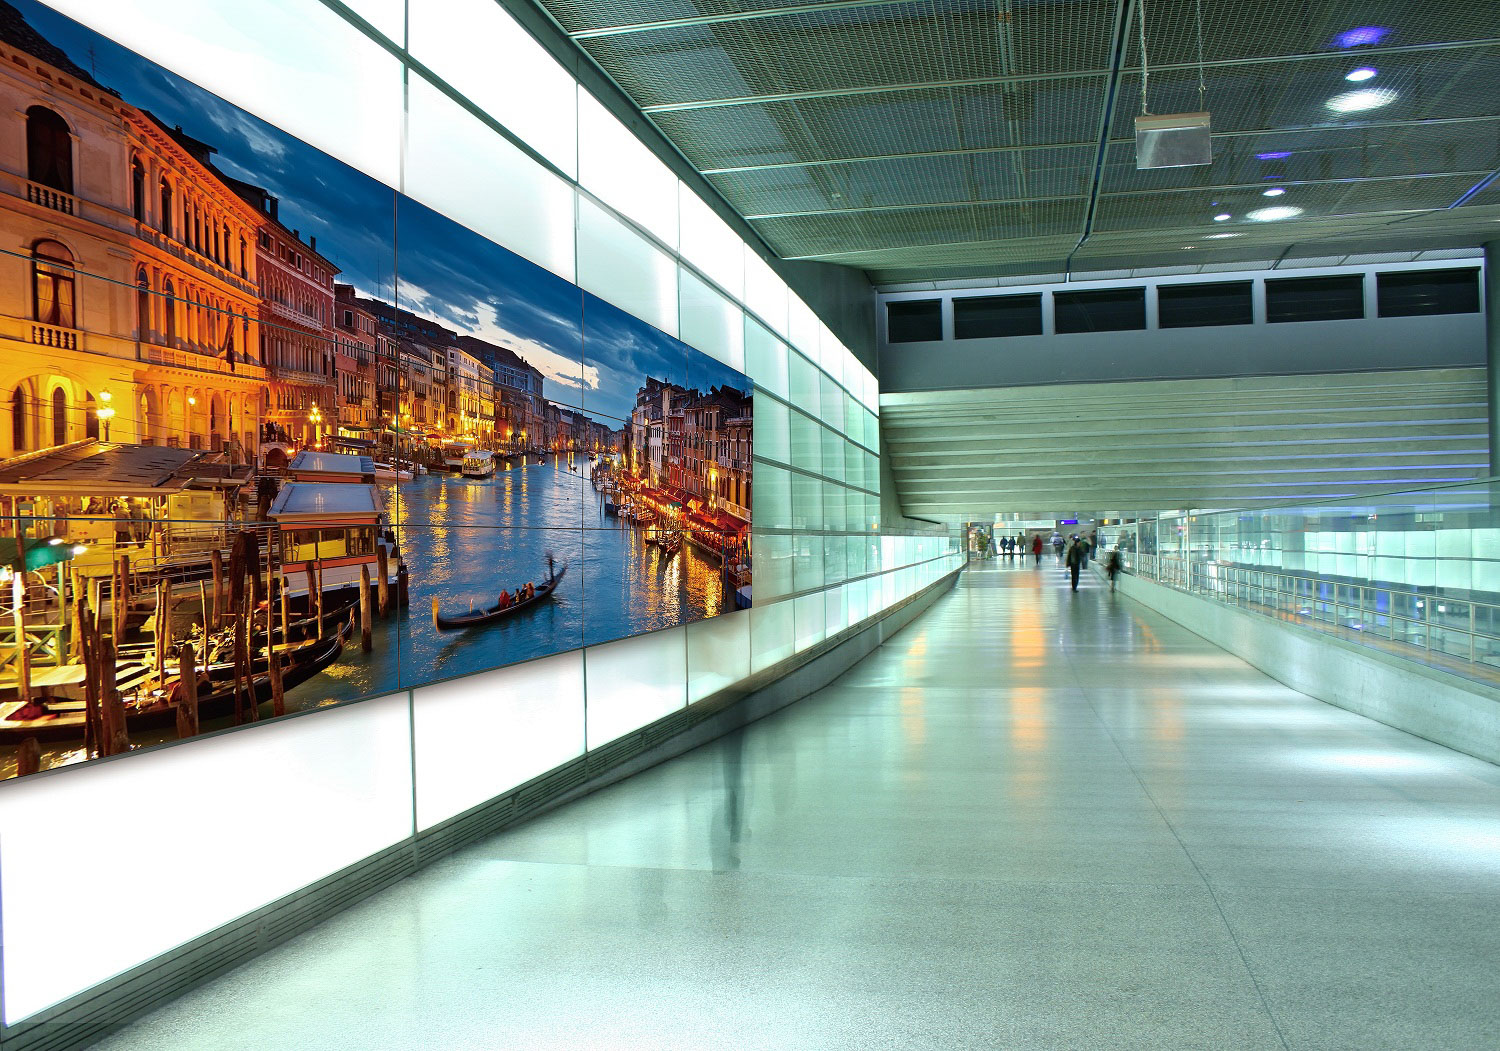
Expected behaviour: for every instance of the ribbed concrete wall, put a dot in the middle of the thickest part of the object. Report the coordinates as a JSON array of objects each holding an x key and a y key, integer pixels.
[{"x": 1155, "y": 445}]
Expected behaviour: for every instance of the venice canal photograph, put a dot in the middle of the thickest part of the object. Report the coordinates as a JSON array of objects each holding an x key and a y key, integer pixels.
[{"x": 256, "y": 460}]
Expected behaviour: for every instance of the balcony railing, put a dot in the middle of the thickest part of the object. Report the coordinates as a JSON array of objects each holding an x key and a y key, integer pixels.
[
  {"x": 54, "y": 336},
  {"x": 47, "y": 197},
  {"x": 186, "y": 359}
]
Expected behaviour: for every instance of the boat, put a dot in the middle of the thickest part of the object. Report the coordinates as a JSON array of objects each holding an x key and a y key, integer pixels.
[
  {"x": 479, "y": 463},
  {"x": 477, "y": 617},
  {"x": 454, "y": 456},
  {"x": 67, "y": 720},
  {"x": 670, "y": 542},
  {"x": 385, "y": 472},
  {"x": 337, "y": 529},
  {"x": 610, "y": 507}
]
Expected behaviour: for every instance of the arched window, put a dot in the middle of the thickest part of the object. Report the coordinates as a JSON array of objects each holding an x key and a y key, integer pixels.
[
  {"x": 18, "y": 420},
  {"x": 244, "y": 269},
  {"x": 197, "y": 228},
  {"x": 224, "y": 258},
  {"x": 166, "y": 207},
  {"x": 49, "y": 149},
  {"x": 59, "y": 417},
  {"x": 143, "y": 304},
  {"x": 52, "y": 284},
  {"x": 170, "y": 328},
  {"x": 137, "y": 190},
  {"x": 91, "y": 418}
]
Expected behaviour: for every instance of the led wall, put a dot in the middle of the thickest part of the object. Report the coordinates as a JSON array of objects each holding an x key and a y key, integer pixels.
[
  {"x": 261, "y": 460},
  {"x": 421, "y": 101}
]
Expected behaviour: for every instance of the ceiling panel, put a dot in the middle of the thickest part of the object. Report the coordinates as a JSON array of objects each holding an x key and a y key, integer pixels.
[{"x": 937, "y": 139}]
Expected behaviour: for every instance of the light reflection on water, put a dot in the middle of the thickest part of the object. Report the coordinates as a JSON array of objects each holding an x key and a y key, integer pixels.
[{"x": 465, "y": 539}]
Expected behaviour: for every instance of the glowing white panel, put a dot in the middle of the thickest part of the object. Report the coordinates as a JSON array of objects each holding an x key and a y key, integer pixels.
[
  {"x": 771, "y": 497},
  {"x": 711, "y": 323},
  {"x": 807, "y": 442},
  {"x": 809, "y": 620},
  {"x": 872, "y": 392},
  {"x": 766, "y": 293},
  {"x": 634, "y": 682},
  {"x": 460, "y": 167},
  {"x": 802, "y": 327},
  {"x": 833, "y": 457},
  {"x": 772, "y": 430},
  {"x": 773, "y": 566},
  {"x": 765, "y": 358},
  {"x": 484, "y": 53},
  {"x": 807, "y": 562},
  {"x": 771, "y": 634},
  {"x": 271, "y": 58},
  {"x": 519, "y": 722},
  {"x": 388, "y": 16},
  {"x": 710, "y": 244},
  {"x": 718, "y": 651},
  {"x": 807, "y": 502},
  {"x": 836, "y": 604},
  {"x": 834, "y": 511},
  {"x": 620, "y": 169},
  {"x": 621, "y": 267},
  {"x": 805, "y": 391},
  {"x": 228, "y": 825}
]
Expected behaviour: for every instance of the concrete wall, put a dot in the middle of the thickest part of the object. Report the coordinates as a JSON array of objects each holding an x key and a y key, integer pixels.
[{"x": 1437, "y": 705}]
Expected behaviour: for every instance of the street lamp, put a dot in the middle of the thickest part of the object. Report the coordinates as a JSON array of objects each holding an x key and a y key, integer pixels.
[
  {"x": 105, "y": 412},
  {"x": 315, "y": 417}
]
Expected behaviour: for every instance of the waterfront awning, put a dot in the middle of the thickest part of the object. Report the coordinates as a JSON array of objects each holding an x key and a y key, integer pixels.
[
  {"x": 310, "y": 466},
  {"x": 108, "y": 469},
  {"x": 301, "y": 504}
]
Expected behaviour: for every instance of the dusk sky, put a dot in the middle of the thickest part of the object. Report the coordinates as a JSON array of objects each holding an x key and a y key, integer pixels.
[{"x": 446, "y": 272}]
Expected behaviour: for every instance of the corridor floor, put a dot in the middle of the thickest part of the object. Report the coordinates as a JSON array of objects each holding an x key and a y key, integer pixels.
[{"x": 1033, "y": 819}]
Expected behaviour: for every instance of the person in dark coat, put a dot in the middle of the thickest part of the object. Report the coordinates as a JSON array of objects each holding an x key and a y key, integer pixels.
[{"x": 1075, "y": 556}]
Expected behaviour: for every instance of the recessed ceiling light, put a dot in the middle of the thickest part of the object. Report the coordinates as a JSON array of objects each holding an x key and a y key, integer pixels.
[
  {"x": 1355, "y": 101},
  {"x": 1276, "y": 214},
  {"x": 1361, "y": 36},
  {"x": 1187, "y": 248},
  {"x": 1275, "y": 191},
  {"x": 1221, "y": 217},
  {"x": 1361, "y": 74},
  {"x": 1220, "y": 237},
  {"x": 1274, "y": 156}
]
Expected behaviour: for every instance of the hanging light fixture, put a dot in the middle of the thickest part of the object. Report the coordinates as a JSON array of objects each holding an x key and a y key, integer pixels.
[{"x": 1174, "y": 140}]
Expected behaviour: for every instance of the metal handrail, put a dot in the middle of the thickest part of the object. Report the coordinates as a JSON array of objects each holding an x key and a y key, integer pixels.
[{"x": 1424, "y": 623}]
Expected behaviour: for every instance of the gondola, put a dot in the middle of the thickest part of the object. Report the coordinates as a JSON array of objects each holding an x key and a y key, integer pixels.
[
  {"x": 216, "y": 701},
  {"x": 478, "y": 617},
  {"x": 670, "y": 542}
]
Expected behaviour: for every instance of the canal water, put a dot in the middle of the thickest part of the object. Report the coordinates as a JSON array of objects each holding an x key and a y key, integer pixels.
[{"x": 464, "y": 539}]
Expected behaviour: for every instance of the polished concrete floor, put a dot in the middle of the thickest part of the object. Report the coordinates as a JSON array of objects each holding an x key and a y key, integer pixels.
[{"x": 1034, "y": 819}]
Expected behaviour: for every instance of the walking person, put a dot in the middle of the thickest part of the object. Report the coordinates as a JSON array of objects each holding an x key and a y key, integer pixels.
[
  {"x": 1036, "y": 547},
  {"x": 1057, "y": 546},
  {"x": 1112, "y": 561},
  {"x": 1074, "y": 558}
]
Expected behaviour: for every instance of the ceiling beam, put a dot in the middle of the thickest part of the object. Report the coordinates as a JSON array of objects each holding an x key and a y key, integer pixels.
[
  {"x": 731, "y": 16},
  {"x": 1113, "y": 71},
  {"x": 1289, "y": 129},
  {"x": 1114, "y": 194}
]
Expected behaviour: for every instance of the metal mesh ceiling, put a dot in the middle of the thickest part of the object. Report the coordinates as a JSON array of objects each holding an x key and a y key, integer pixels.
[{"x": 939, "y": 139}]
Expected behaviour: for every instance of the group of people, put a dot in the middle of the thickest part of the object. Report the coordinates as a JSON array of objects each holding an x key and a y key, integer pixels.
[
  {"x": 522, "y": 594},
  {"x": 1073, "y": 553}
]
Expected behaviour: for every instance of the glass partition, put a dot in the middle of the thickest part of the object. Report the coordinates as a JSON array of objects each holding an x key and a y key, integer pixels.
[{"x": 1415, "y": 574}]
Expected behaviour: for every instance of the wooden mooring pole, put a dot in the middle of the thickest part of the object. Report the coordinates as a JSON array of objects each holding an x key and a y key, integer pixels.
[
  {"x": 366, "y": 640},
  {"x": 187, "y": 703}
]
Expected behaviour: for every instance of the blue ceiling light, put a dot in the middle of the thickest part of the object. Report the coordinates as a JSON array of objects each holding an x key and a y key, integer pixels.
[
  {"x": 1279, "y": 155},
  {"x": 1361, "y": 36}
]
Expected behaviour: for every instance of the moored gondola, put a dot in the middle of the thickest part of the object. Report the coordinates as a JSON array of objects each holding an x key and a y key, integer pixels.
[
  {"x": 216, "y": 699},
  {"x": 477, "y": 617}
]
